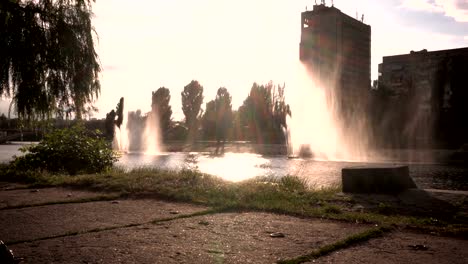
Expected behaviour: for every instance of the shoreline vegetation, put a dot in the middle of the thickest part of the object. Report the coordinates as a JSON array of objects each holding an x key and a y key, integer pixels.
[{"x": 289, "y": 195}]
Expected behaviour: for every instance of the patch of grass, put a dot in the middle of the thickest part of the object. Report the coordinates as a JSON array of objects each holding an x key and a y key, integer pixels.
[
  {"x": 385, "y": 209},
  {"x": 287, "y": 195},
  {"x": 332, "y": 209},
  {"x": 347, "y": 242},
  {"x": 72, "y": 201}
]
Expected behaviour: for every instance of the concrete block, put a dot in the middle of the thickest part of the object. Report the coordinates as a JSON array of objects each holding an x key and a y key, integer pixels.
[{"x": 376, "y": 179}]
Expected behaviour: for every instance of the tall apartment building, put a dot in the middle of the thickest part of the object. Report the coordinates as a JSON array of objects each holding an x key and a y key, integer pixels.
[
  {"x": 426, "y": 95},
  {"x": 337, "y": 50}
]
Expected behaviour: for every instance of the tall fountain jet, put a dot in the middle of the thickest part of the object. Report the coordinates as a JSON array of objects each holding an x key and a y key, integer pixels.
[
  {"x": 152, "y": 135},
  {"x": 329, "y": 113},
  {"x": 141, "y": 135}
]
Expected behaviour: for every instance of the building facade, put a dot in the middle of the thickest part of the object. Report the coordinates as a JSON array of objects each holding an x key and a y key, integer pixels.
[
  {"x": 336, "y": 48},
  {"x": 423, "y": 97}
]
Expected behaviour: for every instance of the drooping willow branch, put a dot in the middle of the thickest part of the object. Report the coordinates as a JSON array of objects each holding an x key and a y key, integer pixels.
[{"x": 47, "y": 56}]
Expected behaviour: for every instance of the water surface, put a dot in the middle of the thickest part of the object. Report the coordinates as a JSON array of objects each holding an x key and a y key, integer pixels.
[{"x": 241, "y": 166}]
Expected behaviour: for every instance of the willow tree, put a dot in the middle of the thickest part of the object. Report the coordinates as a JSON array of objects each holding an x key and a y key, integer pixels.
[{"x": 47, "y": 58}]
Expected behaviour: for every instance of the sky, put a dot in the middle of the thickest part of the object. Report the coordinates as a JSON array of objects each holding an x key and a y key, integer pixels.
[{"x": 146, "y": 44}]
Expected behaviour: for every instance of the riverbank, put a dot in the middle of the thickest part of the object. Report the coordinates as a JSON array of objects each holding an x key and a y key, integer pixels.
[
  {"x": 287, "y": 195},
  {"x": 157, "y": 217},
  {"x": 233, "y": 166}
]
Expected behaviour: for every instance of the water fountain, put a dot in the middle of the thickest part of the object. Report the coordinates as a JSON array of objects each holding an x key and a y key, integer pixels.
[
  {"x": 139, "y": 136},
  {"x": 120, "y": 141},
  {"x": 316, "y": 123}
]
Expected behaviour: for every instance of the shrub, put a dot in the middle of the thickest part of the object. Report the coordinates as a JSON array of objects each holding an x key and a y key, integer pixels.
[{"x": 70, "y": 150}]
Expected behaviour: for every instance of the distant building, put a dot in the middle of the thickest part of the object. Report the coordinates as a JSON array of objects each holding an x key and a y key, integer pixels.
[
  {"x": 426, "y": 96},
  {"x": 337, "y": 50}
]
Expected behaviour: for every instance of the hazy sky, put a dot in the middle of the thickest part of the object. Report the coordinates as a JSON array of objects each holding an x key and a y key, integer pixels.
[{"x": 146, "y": 44}]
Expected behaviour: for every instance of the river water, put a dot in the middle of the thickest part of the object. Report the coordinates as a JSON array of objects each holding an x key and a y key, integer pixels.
[{"x": 241, "y": 166}]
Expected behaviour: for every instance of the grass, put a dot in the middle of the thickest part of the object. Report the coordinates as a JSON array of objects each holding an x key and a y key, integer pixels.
[
  {"x": 287, "y": 195},
  {"x": 71, "y": 201},
  {"x": 347, "y": 242}
]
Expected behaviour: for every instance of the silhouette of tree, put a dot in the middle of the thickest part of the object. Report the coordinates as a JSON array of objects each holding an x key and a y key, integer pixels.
[
  {"x": 209, "y": 121},
  {"x": 192, "y": 98},
  {"x": 114, "y": 118},
  {"x": 119, "y": 112},
  {"x": 160, "y": 105},
  {"x": 47, "y": 56},
  {"x": 263, "y": 114},
  {"x": 110, "y": 124},
  {"x": 280, "y": 111},
  {"x": 223, "y": 115},
  {"x": 136, "y": 123}
]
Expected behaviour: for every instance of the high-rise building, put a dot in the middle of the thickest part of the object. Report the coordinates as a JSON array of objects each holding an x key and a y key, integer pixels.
[
  {"x": 337, "y": 50},
  {"x": 424, "y": 94}
]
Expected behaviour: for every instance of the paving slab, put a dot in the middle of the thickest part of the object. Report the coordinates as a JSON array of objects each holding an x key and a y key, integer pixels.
[
  {"x": 403, "y": 248},
  {"x": 21, "y": 197},
  {"x": 218, "y": 238},
  {"x": 51, "y": 220}
]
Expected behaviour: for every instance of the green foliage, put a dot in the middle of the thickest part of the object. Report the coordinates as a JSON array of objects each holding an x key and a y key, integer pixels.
[
  {"x": 332, "y": 209},
  {"x": 223, "y": 109},
  {"x": 217, "y": 119},
  {"x": 71, "y": 150},
  {"x": 114, "y": 118},
  {"x": 293, "y": 184},
  {"x": 47, "y": 60},
  {"x": 192, "y": 98},
  {"x": 385, "y": 209},
  {"x": 209, "y": 121},
  {"x": 160, "y": 105},
  {"x": 264, "y": 114},
  {"x": 119, "y": 112}
]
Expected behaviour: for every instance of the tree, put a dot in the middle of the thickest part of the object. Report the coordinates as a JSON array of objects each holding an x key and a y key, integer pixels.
[
  {"x": 47, "y": 56},
  {"x": 208, "y": 121},
  {"x": 114, "y": 118},
  {"x": 223, "y": 115},
  {"x": 119, "y": 111},
  {"x": 264, "y": 113},
  {"x": 192, "y": 98},
  {"x": 160, "y": 105},
  {"x": 280, "y": 111}
]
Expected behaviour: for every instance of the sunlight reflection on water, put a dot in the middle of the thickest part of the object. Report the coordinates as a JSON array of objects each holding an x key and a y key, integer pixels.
[{"x": 241, "y": 166}]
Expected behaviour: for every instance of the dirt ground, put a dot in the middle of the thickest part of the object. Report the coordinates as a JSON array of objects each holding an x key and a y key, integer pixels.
[{"x": 151, "y": 231}]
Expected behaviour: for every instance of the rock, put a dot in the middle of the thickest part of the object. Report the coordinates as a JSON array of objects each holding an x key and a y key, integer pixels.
[
  {"x": 376, "y": 179},
  {"x": 305, "y": 151},
  {"x": 277, "y": 234}
]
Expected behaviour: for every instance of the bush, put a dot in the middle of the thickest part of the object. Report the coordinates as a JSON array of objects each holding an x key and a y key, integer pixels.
[{"x": 70, "y": 150}]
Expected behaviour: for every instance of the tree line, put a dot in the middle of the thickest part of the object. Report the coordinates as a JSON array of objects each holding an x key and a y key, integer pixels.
[
  {"x": 50, "y": 69},
  {"x": 260, "y": 119}
]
